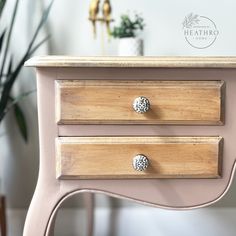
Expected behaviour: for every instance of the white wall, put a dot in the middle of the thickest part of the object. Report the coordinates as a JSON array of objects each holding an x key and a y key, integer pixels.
[
  {"x": 71, "y": 34},
  {"x": 163, "y": 34}
]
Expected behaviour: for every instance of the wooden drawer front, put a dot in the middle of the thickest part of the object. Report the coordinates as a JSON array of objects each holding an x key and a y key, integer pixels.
[
  {"x": 171, "y": 102},
  {"x": 111, "y": 157}
]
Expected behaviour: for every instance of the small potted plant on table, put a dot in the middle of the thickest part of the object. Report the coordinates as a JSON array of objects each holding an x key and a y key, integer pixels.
[{"x": 126, "y": 32}]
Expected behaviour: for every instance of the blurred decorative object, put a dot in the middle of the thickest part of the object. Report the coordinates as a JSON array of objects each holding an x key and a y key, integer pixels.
[
  {"x": 129, "y": 44},
  {"x": 3, "y": 223},
  {"x": 106, "y": 10},
  {"x": 94, "y": 12},
  {"x": 9, "y": 72}
]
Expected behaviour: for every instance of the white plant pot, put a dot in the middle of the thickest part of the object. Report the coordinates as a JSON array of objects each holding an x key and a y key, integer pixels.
[{"x": 130, "y": 47}]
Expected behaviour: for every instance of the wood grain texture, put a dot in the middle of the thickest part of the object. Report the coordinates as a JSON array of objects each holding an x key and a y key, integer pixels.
[
  {"x": 111, "y": 157},
  {"x": 110, "y": 102},
  {"x": 133, "y": 62}
]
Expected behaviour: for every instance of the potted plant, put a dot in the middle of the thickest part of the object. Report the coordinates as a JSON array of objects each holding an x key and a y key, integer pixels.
[
  {"x": 127, "y": 31},
  {"x": 9, "y": 72}
]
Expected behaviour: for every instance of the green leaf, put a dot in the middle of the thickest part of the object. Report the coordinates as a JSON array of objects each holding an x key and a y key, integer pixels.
[
  {"x": 5, "y": 95},
  {"x": 128, "y": 27},
  {"x": 21, "y": 122},
  {"x": 8, "y": 38},
  {"x": 18, "y": 99},
  {"x": 2, "y": 4},
  {"x": 40, "y": 25},
  {"x": 38, "y": 45},
  {"x": 19, "y": 115},
  {"x": 10, "y": 67},
  {"x": 1, "y": 39}
]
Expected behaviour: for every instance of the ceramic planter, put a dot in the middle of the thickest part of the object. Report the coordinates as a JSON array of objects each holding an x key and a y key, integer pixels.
[{"x": 130, "y": 47}]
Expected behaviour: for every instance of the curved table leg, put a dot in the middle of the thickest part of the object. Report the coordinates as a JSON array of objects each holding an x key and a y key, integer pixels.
[
  {"x": 52, "y": 226},
  {"x": 89, "y": 205},
  {"x": 43, "y": 204}
]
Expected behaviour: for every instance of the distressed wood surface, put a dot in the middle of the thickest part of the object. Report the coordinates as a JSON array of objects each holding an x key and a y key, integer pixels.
[
  {"x": 111, "y": 157},
  {"x": 110, "y": 102},
  {"x": 130, "y": 62}
]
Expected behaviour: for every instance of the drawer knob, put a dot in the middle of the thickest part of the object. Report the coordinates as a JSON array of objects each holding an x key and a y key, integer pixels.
[
  {"x": 140, "y": 162},
  {"x": 141, "y": 104}
]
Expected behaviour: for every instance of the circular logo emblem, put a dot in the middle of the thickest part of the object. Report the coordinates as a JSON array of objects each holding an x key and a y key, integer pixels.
[{"x": 199, "y": 31}]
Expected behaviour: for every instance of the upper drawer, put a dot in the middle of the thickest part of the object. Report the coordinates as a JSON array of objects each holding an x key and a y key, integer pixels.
[{"x": 166, "y": 102}]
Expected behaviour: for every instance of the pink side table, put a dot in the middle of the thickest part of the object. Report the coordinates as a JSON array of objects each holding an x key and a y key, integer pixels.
[{"x": 90, "y": 126}]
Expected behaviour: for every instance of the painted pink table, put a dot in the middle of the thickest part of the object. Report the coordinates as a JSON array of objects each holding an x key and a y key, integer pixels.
[{"x": 61, "y": 175}]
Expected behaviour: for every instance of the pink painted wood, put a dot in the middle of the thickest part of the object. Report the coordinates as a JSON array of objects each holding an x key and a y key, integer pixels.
[{"x": 179, "y": 194}]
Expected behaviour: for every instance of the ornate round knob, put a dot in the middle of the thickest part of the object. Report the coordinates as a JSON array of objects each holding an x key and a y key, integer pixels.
[
  {"x": 141, "y": 104},
  {"x": 140, "y": 162}
]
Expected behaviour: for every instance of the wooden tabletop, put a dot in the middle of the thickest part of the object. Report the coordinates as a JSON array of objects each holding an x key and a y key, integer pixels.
[{"x": 132, "y": 62}]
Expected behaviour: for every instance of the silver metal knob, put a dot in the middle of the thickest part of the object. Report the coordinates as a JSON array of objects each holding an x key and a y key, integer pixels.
[
  {"x": 141, "y": 104},
  {"x": 140, "y": 162}
]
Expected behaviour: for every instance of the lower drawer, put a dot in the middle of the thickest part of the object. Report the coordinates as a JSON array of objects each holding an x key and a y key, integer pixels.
[{"x": 138, "y": 157}]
